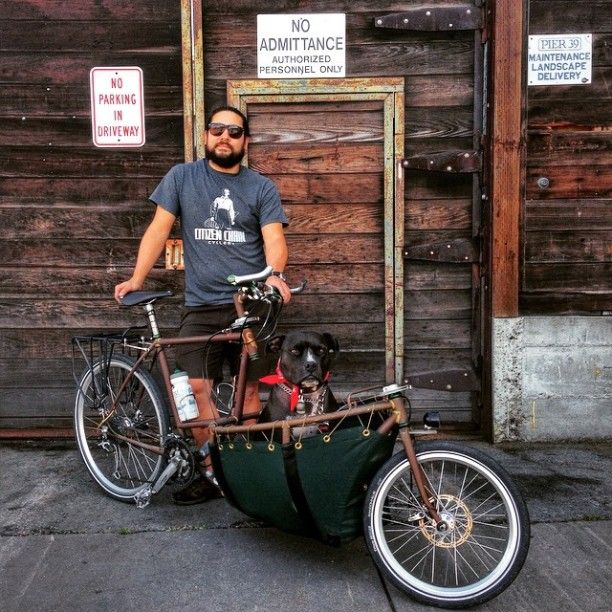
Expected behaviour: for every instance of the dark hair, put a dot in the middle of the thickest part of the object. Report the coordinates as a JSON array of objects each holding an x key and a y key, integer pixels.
[{"x": 233, "y": 109}]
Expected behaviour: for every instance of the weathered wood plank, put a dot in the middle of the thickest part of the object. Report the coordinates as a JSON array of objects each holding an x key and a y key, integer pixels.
[
  {"x": 77, "y": 190},
  {"x": 432, "y": 304},
  {"x": 308, "y": 310},
  {"x": 62, "y": 69},
  {"x": 420, "y": 275},
  {"x": 55, "y": 311},
  {"x": 570, "y": 245},
  {"x": 151, "y": 10},
  {"x": 323, "y": 188},
  {"x": 561, "y": 214},
  {"x": 582, "y": 182},
  {"x": 112, "y": 253},
  {"x": 438, "y": 214},
  {"x": 593, "y": 16},
  {"x": 78, "y": 283},
  {"x": 420, "y": 90},
  {"x": 289, "y": 124},
  {"x": 569, "y": 148},
  {"x": 565, "y": 303},
  {"x": 66, "y": 35},
  {"x": 340, "y": 158},
  {"x": 590, "y": 113},
  {"x": 117, "y": 222},
  {"x": 70, "y": 132},
  {"x": 53, "y": 162},
  {"x": 448, "y": 56},
  {"x": 571, "y": 277},
  {"x": 74, "y": 100}
]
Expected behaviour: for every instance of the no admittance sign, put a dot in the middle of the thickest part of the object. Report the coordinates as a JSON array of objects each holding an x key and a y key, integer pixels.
[
  {"x": 301, "y": 46},
  {"x": 117, "y": 107}
]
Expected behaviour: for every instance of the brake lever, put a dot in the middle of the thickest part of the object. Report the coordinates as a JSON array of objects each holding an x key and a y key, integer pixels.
[{"x": 299, "y": 288}]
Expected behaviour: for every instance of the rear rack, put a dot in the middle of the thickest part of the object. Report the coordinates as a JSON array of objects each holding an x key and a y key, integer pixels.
[{"x": 100, "y": 348}]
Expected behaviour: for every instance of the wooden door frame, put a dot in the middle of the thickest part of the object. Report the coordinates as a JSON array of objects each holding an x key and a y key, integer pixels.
[{"x": 390, "y": 91}]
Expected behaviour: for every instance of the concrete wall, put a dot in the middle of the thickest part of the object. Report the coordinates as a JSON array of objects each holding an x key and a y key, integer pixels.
[{"x": 552, "y": 378}]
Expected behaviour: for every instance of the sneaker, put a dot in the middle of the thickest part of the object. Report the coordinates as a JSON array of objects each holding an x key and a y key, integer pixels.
[{"x": 198, "y": 491}]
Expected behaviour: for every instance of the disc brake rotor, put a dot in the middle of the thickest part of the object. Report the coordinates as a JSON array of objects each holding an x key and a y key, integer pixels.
[{"x": 457, "y": 518}]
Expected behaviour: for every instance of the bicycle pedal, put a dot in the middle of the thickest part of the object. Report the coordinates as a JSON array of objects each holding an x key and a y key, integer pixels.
[{"x": 143, "y": 498}]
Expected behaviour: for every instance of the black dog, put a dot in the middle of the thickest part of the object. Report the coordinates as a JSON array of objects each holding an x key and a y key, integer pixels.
[{"x": 300, "y": 382}]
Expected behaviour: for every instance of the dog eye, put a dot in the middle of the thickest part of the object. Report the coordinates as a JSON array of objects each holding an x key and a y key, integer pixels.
[
  {"x": 321, "y": 351},
  {"x": 295, "y": 352}
]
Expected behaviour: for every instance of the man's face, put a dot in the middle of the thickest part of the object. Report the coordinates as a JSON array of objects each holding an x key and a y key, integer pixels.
[{"x": 224, "y": 150}]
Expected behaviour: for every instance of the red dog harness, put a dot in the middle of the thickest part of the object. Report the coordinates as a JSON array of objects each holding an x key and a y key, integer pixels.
[{"x": 294, "y": 390}]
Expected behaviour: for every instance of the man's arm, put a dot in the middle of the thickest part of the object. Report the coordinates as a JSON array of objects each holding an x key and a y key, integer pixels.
[
  {"x": 275, "y": 250},
  {"x": 151, "y": 246}
]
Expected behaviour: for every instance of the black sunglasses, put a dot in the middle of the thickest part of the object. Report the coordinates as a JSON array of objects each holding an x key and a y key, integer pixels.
[{"x": 234, "y": 131}]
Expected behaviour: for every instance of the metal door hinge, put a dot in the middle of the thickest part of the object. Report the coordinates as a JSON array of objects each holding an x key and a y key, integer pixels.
[
  {"x": 433, "y": 18},
  {"x": 445, "y": 161},
  {"x": 459, "y": 250},
  {"x": 455, "y": 380}
]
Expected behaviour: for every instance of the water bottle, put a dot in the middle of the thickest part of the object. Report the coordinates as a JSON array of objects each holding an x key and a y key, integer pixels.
[{"x": 183, "y": 396}]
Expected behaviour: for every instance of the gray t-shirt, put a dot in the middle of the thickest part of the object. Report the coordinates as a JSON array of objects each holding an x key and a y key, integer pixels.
[{"x": 221, "y": 218}]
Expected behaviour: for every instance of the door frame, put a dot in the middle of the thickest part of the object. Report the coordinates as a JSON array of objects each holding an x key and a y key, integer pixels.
[{"x": 391, "y": 92}]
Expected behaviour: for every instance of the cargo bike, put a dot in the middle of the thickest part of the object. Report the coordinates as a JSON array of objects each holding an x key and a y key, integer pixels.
[{"x": 442, "y": 521}]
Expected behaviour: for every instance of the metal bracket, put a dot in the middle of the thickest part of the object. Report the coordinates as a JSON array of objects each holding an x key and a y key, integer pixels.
[
  {"x": 445, "y": 161},
  {"x": 433, "y": 18},
  {"x": 458, "y": 250},
  {"x": 174, "y": 255},
  {"x": 455, "y": 380}
]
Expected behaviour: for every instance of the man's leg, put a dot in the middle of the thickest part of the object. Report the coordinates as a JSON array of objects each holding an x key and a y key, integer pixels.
[
  {"x": 201, "y": 489},
  {"x": 202, "y": 390}
]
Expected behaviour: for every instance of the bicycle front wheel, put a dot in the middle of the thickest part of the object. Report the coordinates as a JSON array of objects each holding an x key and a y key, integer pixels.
[
  {"x": 121, "y": 467},
  {"x": 486, "y": 539}
]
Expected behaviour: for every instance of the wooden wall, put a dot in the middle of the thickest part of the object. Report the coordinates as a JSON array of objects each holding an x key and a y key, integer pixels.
[
  {"x": 567, "y": 227},
  {"x": 438, "y": 71},
  {"x": 71, "y": 214}
]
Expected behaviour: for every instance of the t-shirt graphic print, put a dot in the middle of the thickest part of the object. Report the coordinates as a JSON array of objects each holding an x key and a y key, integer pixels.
[{"x": 218, "y": 228}]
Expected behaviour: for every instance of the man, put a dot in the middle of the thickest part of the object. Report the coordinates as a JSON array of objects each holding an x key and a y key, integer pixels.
[{"x": 245, "y": 238}]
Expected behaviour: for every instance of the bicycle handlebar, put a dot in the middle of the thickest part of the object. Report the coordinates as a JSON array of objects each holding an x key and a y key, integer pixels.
[
  {"x": 233, "y": 279},
  {"x": 258, "y": 277}
]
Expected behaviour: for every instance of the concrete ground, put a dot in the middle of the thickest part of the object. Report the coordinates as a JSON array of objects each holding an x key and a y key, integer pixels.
[{"x": 64, "y": 545}]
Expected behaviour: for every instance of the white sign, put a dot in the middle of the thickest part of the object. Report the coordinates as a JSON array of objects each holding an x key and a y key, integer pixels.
[
  {"x": 117, "y": 107},
  {"x": 560, "y": 59},
  {"x": 301, "y": 46}
]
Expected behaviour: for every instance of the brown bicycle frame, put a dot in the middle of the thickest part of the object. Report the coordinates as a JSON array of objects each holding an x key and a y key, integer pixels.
[{"x": 231, "y": 424}]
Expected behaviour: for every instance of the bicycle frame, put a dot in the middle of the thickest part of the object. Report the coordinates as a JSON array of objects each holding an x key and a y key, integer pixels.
[{"x": 231, "y": 424}]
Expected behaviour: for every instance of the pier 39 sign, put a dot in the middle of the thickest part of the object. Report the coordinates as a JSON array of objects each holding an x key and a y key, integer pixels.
[{"x": 301, "y": 46}]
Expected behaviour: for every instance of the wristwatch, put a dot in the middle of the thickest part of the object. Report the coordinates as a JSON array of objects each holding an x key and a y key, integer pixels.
[{"x": 280, "y": 275}]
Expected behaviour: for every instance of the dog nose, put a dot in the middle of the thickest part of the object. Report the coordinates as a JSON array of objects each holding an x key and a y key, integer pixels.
[{"x": 311, "y": 366}]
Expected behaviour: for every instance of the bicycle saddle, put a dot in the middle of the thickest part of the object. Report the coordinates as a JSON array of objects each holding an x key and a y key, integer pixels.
[{"x": 144, "y": 297}]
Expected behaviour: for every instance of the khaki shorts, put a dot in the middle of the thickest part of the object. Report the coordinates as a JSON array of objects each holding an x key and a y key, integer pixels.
[{"x": 209, "y": 359}]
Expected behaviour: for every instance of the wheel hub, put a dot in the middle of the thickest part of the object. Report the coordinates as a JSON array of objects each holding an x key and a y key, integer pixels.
[{"x": 457, "y": 523}]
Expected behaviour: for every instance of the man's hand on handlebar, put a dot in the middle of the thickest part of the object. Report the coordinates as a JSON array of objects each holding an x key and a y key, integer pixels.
[{"x": 281, "y": 286}]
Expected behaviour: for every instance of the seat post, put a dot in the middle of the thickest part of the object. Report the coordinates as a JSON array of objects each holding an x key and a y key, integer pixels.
[{"x": 150, "y": 310}]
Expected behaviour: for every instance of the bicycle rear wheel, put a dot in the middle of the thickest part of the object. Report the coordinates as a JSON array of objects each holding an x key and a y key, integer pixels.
[
  {"x": 120, "y": 467},
  {"x": 486, "y": 540}
]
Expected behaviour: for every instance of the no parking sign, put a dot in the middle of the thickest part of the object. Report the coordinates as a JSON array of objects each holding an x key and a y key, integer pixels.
[{"x": 117, "y": 107}]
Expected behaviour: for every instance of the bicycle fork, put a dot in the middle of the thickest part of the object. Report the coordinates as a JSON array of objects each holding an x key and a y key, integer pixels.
[{"x": 407, "y": 439}]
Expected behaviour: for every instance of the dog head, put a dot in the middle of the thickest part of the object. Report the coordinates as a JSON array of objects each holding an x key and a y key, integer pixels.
[{"x": 305, "y": 358}]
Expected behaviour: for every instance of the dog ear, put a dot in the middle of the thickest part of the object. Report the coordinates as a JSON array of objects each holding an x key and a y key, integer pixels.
[
  {"x": 274, "y": 344},
  {"x": 331, "y": 342}
]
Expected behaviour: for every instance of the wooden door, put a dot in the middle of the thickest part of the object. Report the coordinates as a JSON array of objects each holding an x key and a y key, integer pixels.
[{"x": 331, "y": 146}]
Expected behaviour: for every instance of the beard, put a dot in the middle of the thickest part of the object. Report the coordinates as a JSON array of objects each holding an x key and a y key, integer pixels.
[{"x": 225, "y": 161}]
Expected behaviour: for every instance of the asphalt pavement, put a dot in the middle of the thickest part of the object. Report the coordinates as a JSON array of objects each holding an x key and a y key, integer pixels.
[{"x": 66, "y": 546}]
